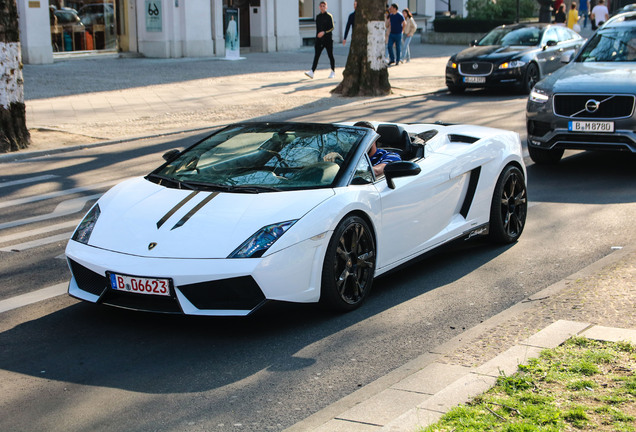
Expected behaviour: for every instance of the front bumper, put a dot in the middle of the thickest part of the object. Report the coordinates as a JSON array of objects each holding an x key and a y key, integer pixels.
[
  {"x": 497, "y": 78},
  {"x": 548, "y": 131},
  {"x": 212, "y": 287}
]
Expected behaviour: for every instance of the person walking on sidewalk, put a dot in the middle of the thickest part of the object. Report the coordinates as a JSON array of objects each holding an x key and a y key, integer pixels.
[
  {"x": 324, "y": 39},
  {"x": 599, "y": 14},
  {"x": 409, "y": 30},
  {"x": 350, "y": 22},
  {"x": 396, "y": 23},
  {"x": 584, "y": 8},
  {"x": 573, "y": 18}
]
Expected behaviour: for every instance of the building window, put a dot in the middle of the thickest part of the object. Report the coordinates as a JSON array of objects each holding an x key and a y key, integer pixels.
[
  {"x": 413, "y": 6},
  {"x": 306, "y": 9}
]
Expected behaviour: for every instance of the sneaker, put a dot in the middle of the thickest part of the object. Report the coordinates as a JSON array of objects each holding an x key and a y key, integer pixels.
[
  {"x": 310, "y": 73},
  {"x": 332, "y": 74}
]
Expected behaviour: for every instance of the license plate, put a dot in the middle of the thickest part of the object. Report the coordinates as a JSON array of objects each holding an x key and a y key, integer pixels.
[
  {"x": 140, "y": 285},
  {"x": 474, "y": 80},
  {"x": 591, "y": 126}
]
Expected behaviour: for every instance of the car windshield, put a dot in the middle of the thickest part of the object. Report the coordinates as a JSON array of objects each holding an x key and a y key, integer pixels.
[
  {"x": 254, "y": 158},
  {"x": 615, "y": 44},
  {"x": 507, "y": 36}
]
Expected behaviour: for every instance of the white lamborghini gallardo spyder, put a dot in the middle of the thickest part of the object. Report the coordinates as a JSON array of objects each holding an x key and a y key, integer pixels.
[{"x": 259, "y": 212}]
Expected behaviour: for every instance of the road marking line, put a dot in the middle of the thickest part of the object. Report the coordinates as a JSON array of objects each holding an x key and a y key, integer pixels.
[
  {"x": 64, "y": 208},
  {"x": 33, "y": 297},
  {"x": 28, "y": 180},
  {"x": 38, "y": 231},
  {"x": 42, "y": 197},
  {"x": 36, "y": 243}
]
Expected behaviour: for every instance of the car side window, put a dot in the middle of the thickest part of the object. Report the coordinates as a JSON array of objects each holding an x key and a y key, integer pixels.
[
  {"x": 363, "y": 173},
  {"x": 564, "y": 34},
  {"x": 550, "y": 35}
]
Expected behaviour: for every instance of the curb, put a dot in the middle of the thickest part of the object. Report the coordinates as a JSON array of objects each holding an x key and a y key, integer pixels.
[{"x": 421, "y": 391}]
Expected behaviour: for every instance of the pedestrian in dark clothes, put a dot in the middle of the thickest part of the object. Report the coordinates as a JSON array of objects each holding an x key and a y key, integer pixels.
[{"x": 324, "y": 40}]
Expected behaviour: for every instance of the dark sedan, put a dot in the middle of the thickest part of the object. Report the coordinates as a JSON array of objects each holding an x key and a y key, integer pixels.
[
  {"x": 589, "y": 103},
  {"x": 515, "y": 56}
]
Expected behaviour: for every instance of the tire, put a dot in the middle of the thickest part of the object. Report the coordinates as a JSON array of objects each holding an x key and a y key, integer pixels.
[
  {"x": 349, "y": 265},
  {"x": 509, "y": 206},
  {"x": 545, "y": 156},
  {"x": 455, "y": 89},
  {"x": 530, "y": 78}
]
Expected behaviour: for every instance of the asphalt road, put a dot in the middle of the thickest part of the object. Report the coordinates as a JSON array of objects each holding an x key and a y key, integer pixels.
[{"x": 66, "y": 365}]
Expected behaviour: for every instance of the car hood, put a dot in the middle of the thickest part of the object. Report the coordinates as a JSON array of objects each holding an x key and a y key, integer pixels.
[
  {"x": 489, "y": 53},
  {"x": 136, "y": 213},
  {"x": 610, "y": 77}
]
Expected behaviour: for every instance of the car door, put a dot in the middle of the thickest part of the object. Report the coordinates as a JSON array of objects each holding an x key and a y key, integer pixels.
[
  {"x": 417, "y": 211},
  {"x": 549, "y": 56}
]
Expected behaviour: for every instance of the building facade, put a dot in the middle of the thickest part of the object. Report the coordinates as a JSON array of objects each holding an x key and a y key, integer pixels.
[{"x": 179, "y": 28}]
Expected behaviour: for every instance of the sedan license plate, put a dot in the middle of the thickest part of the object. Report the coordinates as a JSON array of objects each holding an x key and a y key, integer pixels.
[
  {"x": 590, "y": 126},
  {"x": 140, "y": 285},
  {"x": 474, "y": 80}
]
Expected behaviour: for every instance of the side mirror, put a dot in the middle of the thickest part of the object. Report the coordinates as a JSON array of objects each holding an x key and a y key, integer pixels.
[
  {"x": 550, "y": 43},
  {"x": 400, "y": 169},
  {"x": 171, "y": 155}
]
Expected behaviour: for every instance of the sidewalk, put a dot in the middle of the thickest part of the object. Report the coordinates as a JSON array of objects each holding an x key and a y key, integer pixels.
[
  {"x": 598, "y": 302},
  {"x": 88, "y": 100}
]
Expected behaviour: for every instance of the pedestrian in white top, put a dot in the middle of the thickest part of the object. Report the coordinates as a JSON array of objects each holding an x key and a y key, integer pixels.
[{"x": 600, "y": 14}]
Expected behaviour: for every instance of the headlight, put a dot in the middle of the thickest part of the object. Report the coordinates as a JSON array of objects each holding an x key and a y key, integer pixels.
[
  {"x": 451, "y": 64},
  {"x": 85, "y": 228},
  {"x": 512, "y": 65},
  {"x": 539, "y": 96},
  {"x": 257, "y": 245}
]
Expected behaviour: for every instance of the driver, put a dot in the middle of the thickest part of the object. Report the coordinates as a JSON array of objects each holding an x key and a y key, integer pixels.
[{"x": 379, "y": 157}]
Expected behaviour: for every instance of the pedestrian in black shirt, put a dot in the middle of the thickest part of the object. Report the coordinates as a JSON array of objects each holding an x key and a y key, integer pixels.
[
  {"x": 350, "y": 23},
  {"x": 324, "y": 39}
]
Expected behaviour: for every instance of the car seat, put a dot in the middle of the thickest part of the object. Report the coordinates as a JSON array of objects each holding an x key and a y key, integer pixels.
[{"x": 394, "y": 138}]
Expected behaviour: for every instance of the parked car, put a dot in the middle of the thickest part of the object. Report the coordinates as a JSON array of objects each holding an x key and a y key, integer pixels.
[
  {"x": 588, "y": 104},
  {"x": 293, "y": 212},
  {"x": 514, "y": 56}
]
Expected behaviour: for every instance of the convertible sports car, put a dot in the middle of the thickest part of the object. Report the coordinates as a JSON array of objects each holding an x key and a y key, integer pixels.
[{"x": 293, "y": 212}]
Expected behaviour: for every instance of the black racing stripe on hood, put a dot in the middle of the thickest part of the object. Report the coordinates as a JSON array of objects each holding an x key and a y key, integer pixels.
[
  {"x": 175, "y": 208},
  {"x": 194, "y": 210}
]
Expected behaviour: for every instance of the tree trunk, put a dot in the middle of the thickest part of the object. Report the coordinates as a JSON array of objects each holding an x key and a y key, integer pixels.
[
  {"x": 14, "y": 134},
  {"x": 366, "y": 73}
]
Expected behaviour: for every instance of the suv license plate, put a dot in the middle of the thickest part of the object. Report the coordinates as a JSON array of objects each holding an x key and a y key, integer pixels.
[
  {"x": 590, "y": 126},
  {"x": 474, "y": 80},
  {"x": 140, "y": 285}
]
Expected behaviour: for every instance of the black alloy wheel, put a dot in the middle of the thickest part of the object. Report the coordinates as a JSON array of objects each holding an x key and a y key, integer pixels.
[
  {"x": 530, "y": 78},
  {"x": 545, "y": 156},
  {"x": 509, "y": 206},
  {"x": 347, "y": 273}
]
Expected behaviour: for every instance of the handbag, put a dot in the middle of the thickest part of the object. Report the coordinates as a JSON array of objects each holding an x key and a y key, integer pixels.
[{"x": 576, "y": 28}]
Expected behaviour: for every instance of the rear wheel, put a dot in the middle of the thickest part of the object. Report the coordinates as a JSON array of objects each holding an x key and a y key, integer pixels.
[
  {"x": 545, "y": 156},
  {"x": 509, "y": 206},
  {"x": 347, "y": 273}
]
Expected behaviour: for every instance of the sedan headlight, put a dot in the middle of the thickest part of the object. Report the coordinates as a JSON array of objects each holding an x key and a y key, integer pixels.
[
  {"x": 451, "y": 64},
  {"x": 263, "y": 239},
  {"x": 85, "y": 228},
  {"x": 512, "y": 64},
  {"x": 539, "y": 96}
]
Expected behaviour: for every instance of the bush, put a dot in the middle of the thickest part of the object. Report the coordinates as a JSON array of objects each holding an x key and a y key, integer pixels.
[
  {"x": 467, "y": 25},
  {"x": 502, "y": 9}
]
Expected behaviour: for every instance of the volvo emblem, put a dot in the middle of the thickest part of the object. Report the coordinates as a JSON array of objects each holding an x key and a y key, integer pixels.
[
  {"x": 152, "y": 245},
  {"x": 475, "y": 66},
  {"x": 592, "y": 105}
]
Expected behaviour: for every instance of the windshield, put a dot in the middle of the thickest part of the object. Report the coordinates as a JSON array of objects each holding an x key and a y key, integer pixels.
[
  {"x": 256, "y": 158},
  {"x": 616, "y": 44},
  {"x": 507, "y": 36}
]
